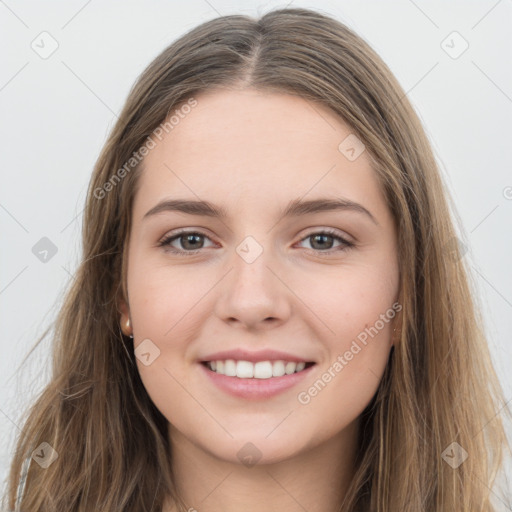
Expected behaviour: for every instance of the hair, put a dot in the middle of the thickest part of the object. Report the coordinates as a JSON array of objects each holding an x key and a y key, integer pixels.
[{"x": 439, "y": 386}]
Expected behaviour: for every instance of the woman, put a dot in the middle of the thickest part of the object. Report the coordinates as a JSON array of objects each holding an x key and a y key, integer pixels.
[{"x": 205, "y": 358}]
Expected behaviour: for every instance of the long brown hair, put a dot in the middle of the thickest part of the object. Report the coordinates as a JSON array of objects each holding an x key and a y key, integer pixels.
[{"x": 439, "y": 387}]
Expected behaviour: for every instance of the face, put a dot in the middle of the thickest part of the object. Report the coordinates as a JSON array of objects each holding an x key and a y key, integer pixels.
[{"x": 320, "y": 285}]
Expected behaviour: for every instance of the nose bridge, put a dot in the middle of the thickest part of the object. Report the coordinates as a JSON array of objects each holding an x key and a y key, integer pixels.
[
  {"x": 250, "y": 264},
  {"x": 251, "y": 291}
]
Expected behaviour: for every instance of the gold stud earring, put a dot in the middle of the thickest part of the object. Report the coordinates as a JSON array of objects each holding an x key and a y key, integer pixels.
[{"x": 128, "y": 326}]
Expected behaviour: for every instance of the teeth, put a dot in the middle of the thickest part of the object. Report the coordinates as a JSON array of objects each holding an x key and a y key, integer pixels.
[
  {"x": 230, "y": 368},
  {"x": 259, "y": 370},
  {"x": 289, "y": 368}
]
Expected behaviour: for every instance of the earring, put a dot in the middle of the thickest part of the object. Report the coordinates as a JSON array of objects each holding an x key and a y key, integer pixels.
[{"x": 128, "y": 326}]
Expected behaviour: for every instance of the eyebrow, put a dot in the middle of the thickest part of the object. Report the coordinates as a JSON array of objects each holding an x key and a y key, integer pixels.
[{"x": 295, "y": 208}]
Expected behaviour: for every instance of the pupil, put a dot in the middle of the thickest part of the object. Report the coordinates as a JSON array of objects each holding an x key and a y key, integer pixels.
[
  {"x": 315, "y": 237},
  {"x": 189, "y": 238}
]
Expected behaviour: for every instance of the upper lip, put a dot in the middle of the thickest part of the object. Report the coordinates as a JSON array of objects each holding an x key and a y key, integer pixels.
[{"x": 254, "y": 357}]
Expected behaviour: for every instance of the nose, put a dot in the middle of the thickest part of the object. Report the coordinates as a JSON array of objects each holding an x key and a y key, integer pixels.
[{"x": 253, "y": 294}]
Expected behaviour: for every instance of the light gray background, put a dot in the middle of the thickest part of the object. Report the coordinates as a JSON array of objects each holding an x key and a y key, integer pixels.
[{"x": 56, "y": 113}]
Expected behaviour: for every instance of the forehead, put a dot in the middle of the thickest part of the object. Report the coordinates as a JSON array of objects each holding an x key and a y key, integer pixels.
[{"x": 254, "y": 147}]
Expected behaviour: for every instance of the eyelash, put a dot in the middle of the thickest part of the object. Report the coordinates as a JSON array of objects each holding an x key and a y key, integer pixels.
[{"x": 166, "y": 241}]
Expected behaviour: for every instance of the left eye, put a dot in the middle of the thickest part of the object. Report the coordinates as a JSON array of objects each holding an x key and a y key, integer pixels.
[
  {"x": 190, "y": 241},
  {"x": 320, "y": 237}
]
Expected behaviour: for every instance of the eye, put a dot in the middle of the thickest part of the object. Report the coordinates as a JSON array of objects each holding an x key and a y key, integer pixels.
[
  {"x": 323, "y": 241},
  {"x": 189, "y": 240}
]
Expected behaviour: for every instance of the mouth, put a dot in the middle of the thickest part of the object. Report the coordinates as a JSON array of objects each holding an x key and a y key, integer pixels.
[
  {"x": 259, "y": 370},
  {"x": 259, "y": 380}
]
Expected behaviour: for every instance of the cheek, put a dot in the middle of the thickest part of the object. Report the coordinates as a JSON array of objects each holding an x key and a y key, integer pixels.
[
  {"x": 163, "y": 299},
  {"x": 357, "y": 307},
  {"x": 346, "y": 382},
  {"x": 166, "y": 306},
  {"x": 351, "y": 298}
]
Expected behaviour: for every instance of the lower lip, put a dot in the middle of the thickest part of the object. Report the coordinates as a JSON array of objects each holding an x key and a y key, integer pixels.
[{"x": 256, "y": 388}]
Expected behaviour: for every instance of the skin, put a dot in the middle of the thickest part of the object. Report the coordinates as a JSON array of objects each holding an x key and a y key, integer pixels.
[{"x": 238, "y": 150}]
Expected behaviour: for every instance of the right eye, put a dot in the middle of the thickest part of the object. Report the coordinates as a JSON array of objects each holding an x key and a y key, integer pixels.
[{"x": 186, "y": 238}]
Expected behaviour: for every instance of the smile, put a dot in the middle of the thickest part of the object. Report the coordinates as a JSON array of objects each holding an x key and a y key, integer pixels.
[
  {"x": 259, "y": 370},
  {"x": 244, "y": 381}
]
